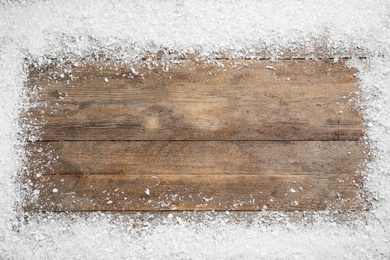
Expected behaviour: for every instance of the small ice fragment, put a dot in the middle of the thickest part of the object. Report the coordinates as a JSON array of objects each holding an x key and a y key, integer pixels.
[
  {"x": 269, "y": 67},
  {"x": 207, "y": 199},
  {"x": 134, "y": 71},
  {"x": 62, "y": 75},
  {"x": 106, "y": 80},
  {"x": 295, "y": 203},
  {"x": 147, "y": 191},
  {"x": 340, "y": 112},
  {"x": 292, "y": 190},
  {"x": 109, "y": 202},
  {"x": 55, "y": 190}
]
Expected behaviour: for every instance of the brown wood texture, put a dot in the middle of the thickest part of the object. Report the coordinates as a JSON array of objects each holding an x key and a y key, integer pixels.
[
  {"x": 230, "y": 135},
  {"x": 204, "y": 192},
  {"x": 298, "y": 100},
  {"x": 199, "y": 157}
]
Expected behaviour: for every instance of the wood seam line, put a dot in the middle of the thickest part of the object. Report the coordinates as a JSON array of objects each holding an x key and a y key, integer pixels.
[
  {"x": 123, "y": 175},
  {"x": 206, "y": 140}
]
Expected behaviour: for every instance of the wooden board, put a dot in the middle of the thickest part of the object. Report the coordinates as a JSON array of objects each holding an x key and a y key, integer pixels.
[
  {"x": 299, "y": 100},
  {"x": 204, "y": 192},
  {"x": 199, "y": 157},
  {"x": 231, "y": 135}
]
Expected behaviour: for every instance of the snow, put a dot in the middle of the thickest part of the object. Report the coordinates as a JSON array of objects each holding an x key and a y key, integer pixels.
[{"x": 36, "y": 31}]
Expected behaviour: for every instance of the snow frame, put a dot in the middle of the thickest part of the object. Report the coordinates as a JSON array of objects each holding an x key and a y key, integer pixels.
[{"x": 40, "y": 31}]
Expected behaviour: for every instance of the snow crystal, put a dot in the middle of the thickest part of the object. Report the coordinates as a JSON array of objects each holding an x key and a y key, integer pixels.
[{"x": 40, "y": 32}]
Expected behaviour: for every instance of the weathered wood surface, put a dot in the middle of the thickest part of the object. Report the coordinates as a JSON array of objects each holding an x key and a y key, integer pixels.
[
  {"x": 231, "y": 135},
  {"x": 204, "y": 192},
  {"x": 299, "y": 100},
  {"x": 200, "y": 157}
]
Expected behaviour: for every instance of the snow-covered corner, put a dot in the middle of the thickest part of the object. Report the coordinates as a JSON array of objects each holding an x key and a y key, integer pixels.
[{"x": 40, "y": 31}]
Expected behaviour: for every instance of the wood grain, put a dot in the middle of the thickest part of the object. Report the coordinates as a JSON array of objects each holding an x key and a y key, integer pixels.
[
  {"x": 298, "y": 100},
  {"x": 224, "y": 135},
  {"x": 198, "y": 157},
  {"x": 205, "y": 192}
]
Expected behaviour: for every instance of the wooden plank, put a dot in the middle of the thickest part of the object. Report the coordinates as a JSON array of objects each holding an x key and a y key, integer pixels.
[
  {"x": 205, "y": 192},
  {"x": 298, "y": 100},
  {"x": 197, "y": 157}
]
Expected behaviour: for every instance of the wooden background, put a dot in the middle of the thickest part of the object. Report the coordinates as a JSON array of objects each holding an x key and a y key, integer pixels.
[{"x": 228, "y": 135}]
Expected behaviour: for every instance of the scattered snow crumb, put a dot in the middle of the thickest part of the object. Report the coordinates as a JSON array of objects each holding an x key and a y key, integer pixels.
[
  {"x": 55, "y": 190},
  {"x": 109, "y": 202},
  {"x": 269, "y": 67},
  {"x": 147, "y": 191},
  {"x": 207, "y": 199},
  {"x": 106, "y": 80}
]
